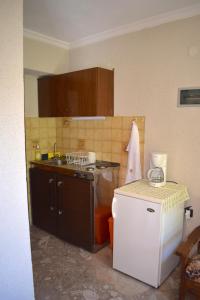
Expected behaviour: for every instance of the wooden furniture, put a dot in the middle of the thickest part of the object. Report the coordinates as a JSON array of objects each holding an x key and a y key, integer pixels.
[
  {"x": 87, "y": 92},
  {"x": 102, "y": 214},
  {"x": 184, "y": 250},
  {"x": 63, "y": 205}
]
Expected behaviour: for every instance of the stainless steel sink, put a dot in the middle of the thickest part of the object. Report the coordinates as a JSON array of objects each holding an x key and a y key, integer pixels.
[{"x": 55, "y": 162}]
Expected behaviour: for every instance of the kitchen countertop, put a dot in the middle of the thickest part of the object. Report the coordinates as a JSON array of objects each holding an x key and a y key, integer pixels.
[{"x": 64, "y": 168}]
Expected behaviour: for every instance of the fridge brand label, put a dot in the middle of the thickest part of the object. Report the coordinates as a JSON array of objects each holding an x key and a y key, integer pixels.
[{"x": 150, "y": 210}]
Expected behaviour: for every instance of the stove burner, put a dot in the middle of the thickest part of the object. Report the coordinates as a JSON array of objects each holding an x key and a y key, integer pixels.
[
  {"x": 101, "y": 167},
  {"x": 90, "y": 169}
]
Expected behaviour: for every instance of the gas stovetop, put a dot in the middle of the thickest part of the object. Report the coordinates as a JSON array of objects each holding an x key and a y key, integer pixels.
[
  {"x": 100, "y": 165},
  {"x": 89, "y": 171}
]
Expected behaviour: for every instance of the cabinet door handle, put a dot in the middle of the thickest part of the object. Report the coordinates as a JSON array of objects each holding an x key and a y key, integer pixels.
[
  {"x": 59, "y": 183},
  {"x": 60, "y": 212},
  {"x": 51, "y": 194}
]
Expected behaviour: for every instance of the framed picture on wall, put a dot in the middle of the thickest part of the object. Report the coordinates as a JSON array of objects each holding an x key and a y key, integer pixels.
[{"x": 189, "y": 96}]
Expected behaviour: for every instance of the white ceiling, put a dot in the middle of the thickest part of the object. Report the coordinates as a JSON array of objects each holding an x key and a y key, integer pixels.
[{"x": 73, "y": 20}]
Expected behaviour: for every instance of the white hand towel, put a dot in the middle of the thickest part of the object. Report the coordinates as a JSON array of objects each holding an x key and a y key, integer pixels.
[{"x": 133, "y": 166}]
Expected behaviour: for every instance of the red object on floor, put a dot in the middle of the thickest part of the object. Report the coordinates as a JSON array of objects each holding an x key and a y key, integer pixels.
[
  {"x": 110, "y": 222},
  {"x": 102, "y": 214}
]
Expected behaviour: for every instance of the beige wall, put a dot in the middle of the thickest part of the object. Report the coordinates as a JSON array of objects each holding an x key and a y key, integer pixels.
[
  {"x": 150, "y": 66},
  {"x": 30, "y": 96},
  {"x": 16, "y": 280},
  {"x": 43, "y": 57}
]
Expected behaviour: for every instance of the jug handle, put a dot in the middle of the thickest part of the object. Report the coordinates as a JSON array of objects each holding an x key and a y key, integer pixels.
[{"x": 149, "y": 173}]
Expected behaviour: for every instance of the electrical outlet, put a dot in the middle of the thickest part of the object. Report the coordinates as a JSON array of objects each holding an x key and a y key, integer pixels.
[{"x": 188, "y": 212}]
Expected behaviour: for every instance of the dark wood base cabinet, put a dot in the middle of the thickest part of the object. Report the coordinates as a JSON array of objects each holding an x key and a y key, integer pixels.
[{"x": 63, "y": 205}]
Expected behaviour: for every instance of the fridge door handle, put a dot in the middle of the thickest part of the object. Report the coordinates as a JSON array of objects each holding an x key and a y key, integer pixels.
[{"x": 114, "y": 207}]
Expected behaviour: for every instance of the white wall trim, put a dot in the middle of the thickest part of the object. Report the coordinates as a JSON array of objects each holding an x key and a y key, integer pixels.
[
  {"x": 139, "y": 25},
  {"x": 154, "y": 21},
  {"x": 45, "y": 38}
]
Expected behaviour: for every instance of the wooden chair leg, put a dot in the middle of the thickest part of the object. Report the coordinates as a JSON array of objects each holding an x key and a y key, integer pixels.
[{"x": 182, "y": 291}]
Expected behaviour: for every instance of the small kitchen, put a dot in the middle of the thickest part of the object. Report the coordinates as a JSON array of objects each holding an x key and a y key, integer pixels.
[{"x": 108, "y": 137}]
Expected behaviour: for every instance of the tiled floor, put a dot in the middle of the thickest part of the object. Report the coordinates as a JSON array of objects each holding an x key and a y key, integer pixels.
[{"x": 62, "y": 272}]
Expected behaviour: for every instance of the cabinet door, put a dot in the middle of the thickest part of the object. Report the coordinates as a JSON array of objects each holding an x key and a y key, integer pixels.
[
  {"x": 75, "y": 211},
  {"x": 46, "y": 96},
  {"x": 66, "y": 97},
  {"x": 76, "y": 93},
  {"x": 43, "y": 204}
]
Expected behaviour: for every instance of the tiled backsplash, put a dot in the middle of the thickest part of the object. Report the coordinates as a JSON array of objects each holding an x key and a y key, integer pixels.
[
  {"x": 40, "y": 131},
  {"x": 108, "y": 138}
]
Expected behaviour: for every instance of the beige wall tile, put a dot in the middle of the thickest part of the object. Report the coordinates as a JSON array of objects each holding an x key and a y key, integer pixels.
[
  {"x": 73, "y": 144},
  {"x": 52, "y": 133},
  {"x": 117, "y": 122},
  {"x": 89, "y": 145},
  {"x": 66, "y": 132},
  {"x": 126, "y": 135},
  {"x": 28, "y": 144},
  {"x": 27, "y": 123},
  {"x": 28, "y": 132},
  {"x": 81, "y": 144},
  {"x": 116, "y": 157},
  {"x": 108, "y": 123},
  {"x": 98, "y": 146},
  {"x": 98, "y": 155},
  {"x": 106, "y": 146},
  {"x": 116, "y": 147},
  {"x": 59, "y": 143},
  {"x": 116, "y": 135},
  {"x": 44, "y": 143},
  {"x": 43, "y": 133},
  {"x": 79, "y": 124},
  {"x": 89, "y": 133},
  {"x": 51, "y": 143},
  {"x": 51, "y": 122},
  {"x": 35, "y": 133},
  {"x": 59, "y": 122},
  {"x": 43, "y": 122},
  {"x": 98, "y": 134},
  {"x": 34, "y": 122},
  {"x": 89, "y": 124},
  {"x": 73, "y": 124},
  {"x": 127, "y": 122},
  {"x": 28, "y": 155},
  {"x": 73, "y": 132},
  {"x": 106, "y": 156},
  {"x": 107, "y": 134},
  {"x": 66, "y": 122},
  {"x": 81, "y": 133},
  {"x": 66, "y": 143},
  {"x": 32, "y": 155},
  {"x": 59, "y": 133},
  {"x": 98, "y": 124}
]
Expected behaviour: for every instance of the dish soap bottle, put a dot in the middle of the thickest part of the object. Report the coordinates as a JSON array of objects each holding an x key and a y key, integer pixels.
[{"x": 37, "y": 152}]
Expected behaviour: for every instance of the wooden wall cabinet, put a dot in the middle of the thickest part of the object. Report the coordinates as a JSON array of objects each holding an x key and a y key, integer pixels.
[
  {"x": 87, "y": 92},
  {"x": 62, "y": 209}
]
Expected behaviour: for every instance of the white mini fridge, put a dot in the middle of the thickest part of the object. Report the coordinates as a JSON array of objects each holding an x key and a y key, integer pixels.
[{"x": 147, "y": 231}]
